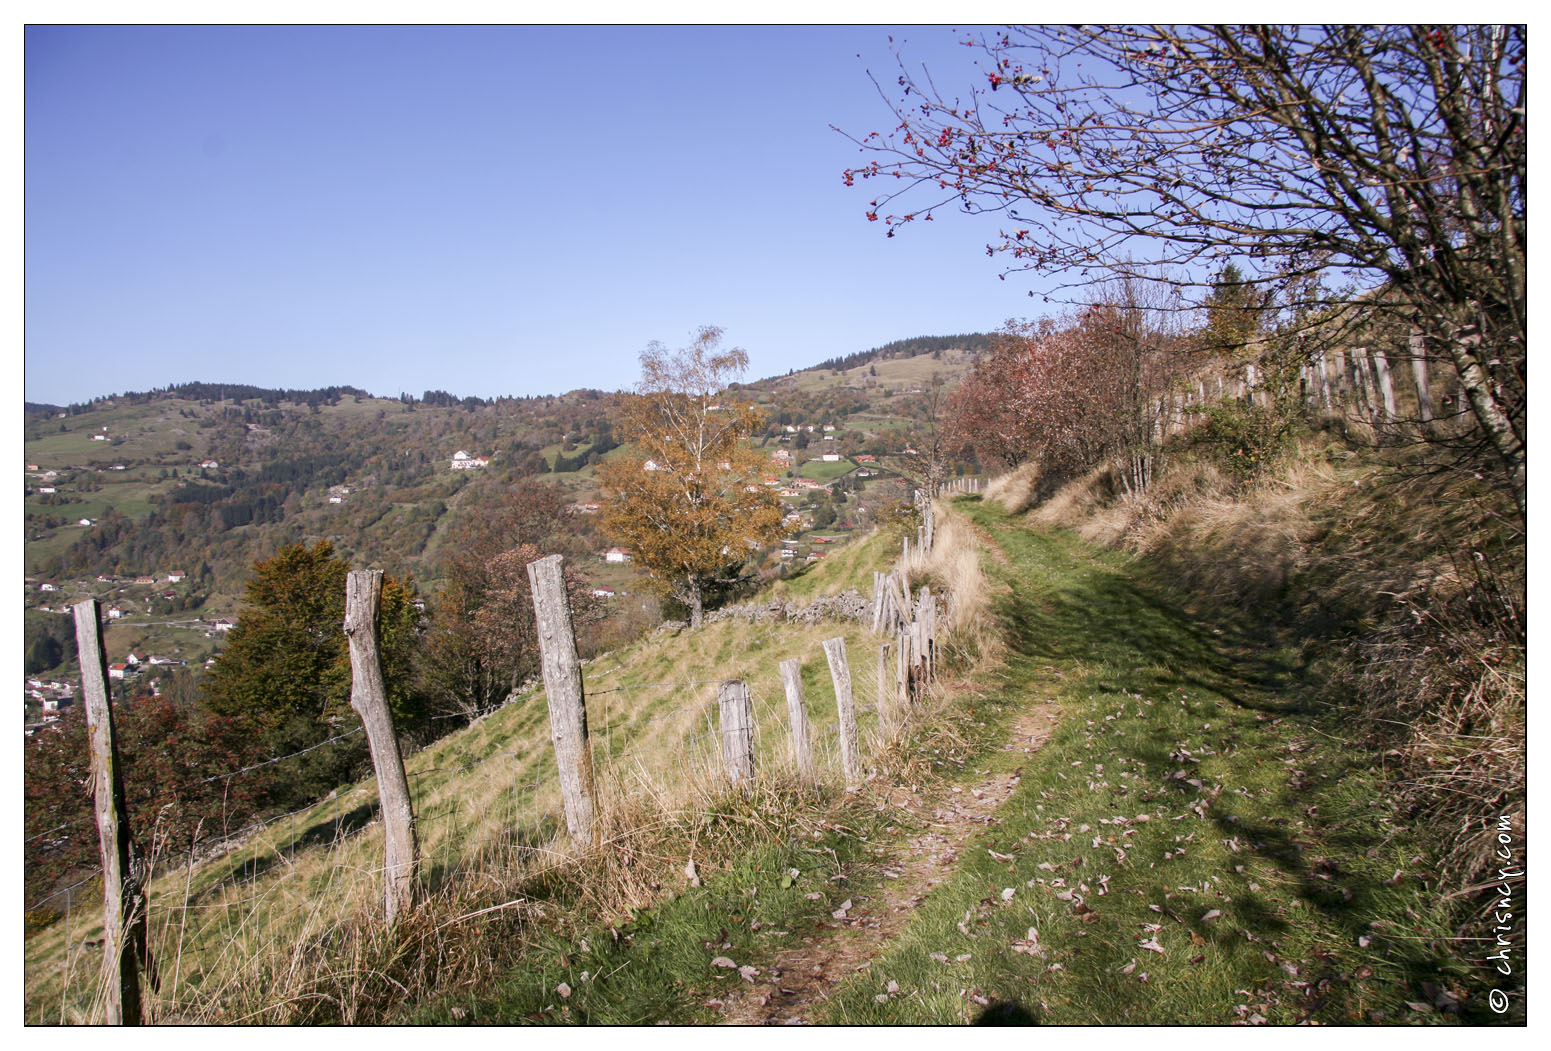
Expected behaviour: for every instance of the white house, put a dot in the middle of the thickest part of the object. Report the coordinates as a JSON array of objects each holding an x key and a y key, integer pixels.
[
  {"x": 46, "y": 586},
  {"x": 462, "y": 461},
  {"x": 99, "y": 437},
  {"x": 652, "y": 465},
  {"x": 223, "y": 625},
  {"x": 175, "y": 576},
  {"x": 603, "y": 592},
  {"x": 209, "y": 464},
  {"x": 831, "y": 457},
  {"x": 616, "y": 554},
  {"x": 47, "y": 489},
  {"x": 115, "y": 612},
  {"x": 87, "y": 521}
]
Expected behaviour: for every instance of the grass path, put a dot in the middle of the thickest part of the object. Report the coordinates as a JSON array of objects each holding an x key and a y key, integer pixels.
[
  {"x": 912, "y": 862},
  {"x": 1190, "y": 841}
]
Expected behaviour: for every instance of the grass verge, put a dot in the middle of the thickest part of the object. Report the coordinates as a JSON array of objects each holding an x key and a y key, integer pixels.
[{"x": 1196, "y": 843}]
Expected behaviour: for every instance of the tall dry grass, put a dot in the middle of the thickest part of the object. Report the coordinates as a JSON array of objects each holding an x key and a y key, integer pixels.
[
  {"x": 1407, "y": 583},
  {"x": 1014, "y": 491},
  {"x": 286, "y": 928},
  {"x": 953, "y": 568}
]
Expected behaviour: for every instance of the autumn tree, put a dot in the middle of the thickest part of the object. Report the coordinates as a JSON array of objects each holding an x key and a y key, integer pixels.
[
  {"x": 1386, "y": 163},
  {"x": 927, "y": 434},
  {"x": 686, "y": 497},
  {"x": 482, "y": 643},
  {"x": 1073, "y": 393},
  {"x": 172, "y": 755}
]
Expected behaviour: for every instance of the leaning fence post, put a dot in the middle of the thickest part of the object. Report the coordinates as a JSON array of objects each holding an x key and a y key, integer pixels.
[
  {"x": 123, "y": 901},
  {"x": 737, "y": 717},
  {"x": 845, "y": 709},
  {"x": 563, "y": 689},
  {"x": 369, "y": 698},
  {"x": 797, "y": 709},
  {"x": 886, "y": 707}
]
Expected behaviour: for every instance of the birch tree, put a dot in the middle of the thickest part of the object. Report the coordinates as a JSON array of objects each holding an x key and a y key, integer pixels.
[{"x": 686, "y": 496}]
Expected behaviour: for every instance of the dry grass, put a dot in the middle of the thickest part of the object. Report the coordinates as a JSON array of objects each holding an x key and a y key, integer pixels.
[
  {"x": 953, "y": 567},
  {"x": 1014, "y": 491},
  {"x": 1407, "y": 586},
  {"x": 286, "y": 928}
]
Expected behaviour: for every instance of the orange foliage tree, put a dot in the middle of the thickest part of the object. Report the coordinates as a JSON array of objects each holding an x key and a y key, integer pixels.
[{"x": 686, "y": 496}]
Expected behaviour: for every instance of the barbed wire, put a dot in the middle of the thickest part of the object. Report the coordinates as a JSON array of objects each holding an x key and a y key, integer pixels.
[
  {"x": 276, "y": 759},
  {"x": 763, "y": 703},
  {"x": 652, "y": 685},
  {"x": 94, "y": 874}
]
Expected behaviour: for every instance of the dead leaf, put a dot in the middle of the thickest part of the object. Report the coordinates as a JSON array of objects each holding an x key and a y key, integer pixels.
[
  {"x": 1151, "y": 945},
  {"x": 722, "y": 961},
  {"x": 564, "y": 990}
]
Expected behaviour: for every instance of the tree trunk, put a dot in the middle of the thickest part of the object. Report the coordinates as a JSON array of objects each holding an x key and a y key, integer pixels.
[
  {"x": 1477, "y": 386},
  {"x": 696, "y": 604}
]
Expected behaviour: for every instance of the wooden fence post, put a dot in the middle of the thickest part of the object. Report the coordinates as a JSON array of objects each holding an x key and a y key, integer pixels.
[
  {"x": 737, "y": 718},
  {"x": 1424, "y": 398},
  {"x": 563, "y": 690},
  {"x": 1386, "y": 384},
  {"x": 369, "y": 698},
  {"x": 845, "y": 709},
  {"x": 887, "y": 710},
  {"x": 123, "y": 899},
  {"x": 797, "y": 709}
]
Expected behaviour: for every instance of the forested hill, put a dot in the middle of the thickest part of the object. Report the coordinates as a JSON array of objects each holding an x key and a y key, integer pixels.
[{"x": 217, "y": 475}]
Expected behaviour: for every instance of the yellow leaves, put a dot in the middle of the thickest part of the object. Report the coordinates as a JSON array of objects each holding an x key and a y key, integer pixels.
[{"x": 702, "y": 507}]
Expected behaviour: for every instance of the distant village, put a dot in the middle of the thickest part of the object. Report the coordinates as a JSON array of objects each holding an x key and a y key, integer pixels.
[{"x": 132, "y": 597}]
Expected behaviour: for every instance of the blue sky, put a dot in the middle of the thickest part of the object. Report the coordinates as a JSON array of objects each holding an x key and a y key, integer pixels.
[{"x": 486, "y": 211}]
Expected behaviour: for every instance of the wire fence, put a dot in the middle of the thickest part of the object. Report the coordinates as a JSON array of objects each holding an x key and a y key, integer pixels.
[{"x": 633, "y": 730}]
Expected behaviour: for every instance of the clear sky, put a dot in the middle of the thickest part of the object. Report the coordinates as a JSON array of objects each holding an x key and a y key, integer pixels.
[{"x": 481, "y": 210}]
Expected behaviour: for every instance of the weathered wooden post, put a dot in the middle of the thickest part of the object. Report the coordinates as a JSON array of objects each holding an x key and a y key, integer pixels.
[
  {"x": 887, "y": 710},
  {"x": 1386, "y": 384},
  {"x": 123, "y": 900},
  {"x": 845, "y": 709},
  {"x": 1424, "y": 398},
  {"x": 797, "y": 709},
  {"x": 737, "y": 718},
  {"x": 563, "y": 690},
  {"x": 369, "y": 698}
]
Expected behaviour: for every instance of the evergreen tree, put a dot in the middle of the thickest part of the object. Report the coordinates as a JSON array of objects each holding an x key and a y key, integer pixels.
[{"x": 286, "y": 658}]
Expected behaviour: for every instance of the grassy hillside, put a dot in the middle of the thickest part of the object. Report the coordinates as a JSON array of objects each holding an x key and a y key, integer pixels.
[
  {"x": 1132, "y": 797},
  {"x": 240, "y": 936}
]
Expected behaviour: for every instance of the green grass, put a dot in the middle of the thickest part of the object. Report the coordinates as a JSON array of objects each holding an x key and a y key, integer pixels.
[
  {"x": 822, "y": 471},
  {"x": 655, "y": 965},
  {"x": 1188, "y": 800}
]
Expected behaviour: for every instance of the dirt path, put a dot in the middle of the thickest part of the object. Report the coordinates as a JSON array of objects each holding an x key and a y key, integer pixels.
[{"x": 804, "y": 976}]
